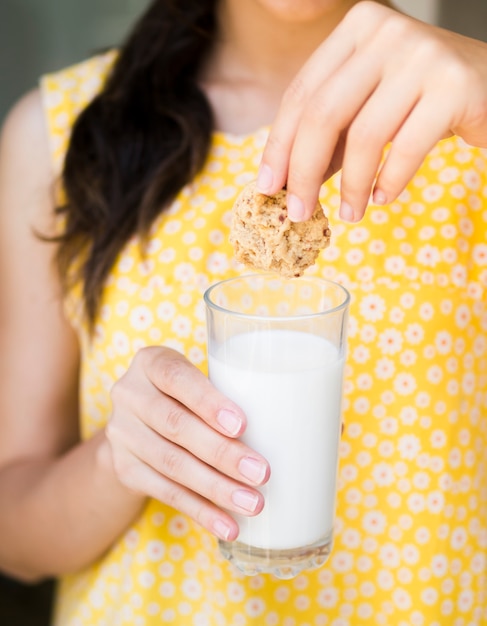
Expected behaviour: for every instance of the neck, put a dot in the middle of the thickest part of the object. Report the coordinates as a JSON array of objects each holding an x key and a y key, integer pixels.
[
  {"x": 268, "y": 47},
  {"x": 258, "y": 53}
]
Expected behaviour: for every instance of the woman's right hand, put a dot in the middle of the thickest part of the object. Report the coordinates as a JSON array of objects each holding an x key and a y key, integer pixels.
[{"x": 173, "y": 437}]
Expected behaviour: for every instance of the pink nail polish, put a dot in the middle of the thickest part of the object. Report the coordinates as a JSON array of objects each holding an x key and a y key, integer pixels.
[
  {"x": 245, "y": 500},
  {"x": 229, "y": 421},
  {"x": 379, "y": 197},
  {"x": 295, "y": 208},
  {"x": 252, "y": 469},
  {"x": 265, "y": 178},
  {"x": 346, "y": 212},
  {"x": 221, "y": 529}
]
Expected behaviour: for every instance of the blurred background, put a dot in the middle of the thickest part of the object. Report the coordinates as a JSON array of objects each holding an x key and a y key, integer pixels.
[{"x": 38, "y": 36}]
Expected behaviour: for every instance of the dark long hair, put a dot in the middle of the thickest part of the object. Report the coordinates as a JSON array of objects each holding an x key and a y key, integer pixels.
[{"x": 142, "y": 138}]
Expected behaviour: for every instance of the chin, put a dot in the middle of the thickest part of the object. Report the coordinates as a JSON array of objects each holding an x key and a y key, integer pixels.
[{"x": 303, "y": 10}]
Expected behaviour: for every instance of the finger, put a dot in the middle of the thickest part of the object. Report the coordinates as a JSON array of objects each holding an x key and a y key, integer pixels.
[
  {"x": 320, "y": 66},
  {"x": 374, "y": 126},
  {"x": 427, "y": 124},
  {"x": 181, "y": 467},
  {"x": 145, "y": 479},
  {"x": 339, "y": 46},
  {"x": 330, "y": 110},
  {"x": 174, "y": 375},
  {"x": 231, "y": 457}
]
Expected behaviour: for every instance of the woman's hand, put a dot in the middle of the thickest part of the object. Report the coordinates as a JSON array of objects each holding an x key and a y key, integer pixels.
[
  {"x": 380, "y": 77},
  {"x": 172, "y": 436}
]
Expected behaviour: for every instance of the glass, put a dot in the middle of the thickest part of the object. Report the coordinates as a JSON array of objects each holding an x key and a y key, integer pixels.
[{"x": 276, "y": 347}]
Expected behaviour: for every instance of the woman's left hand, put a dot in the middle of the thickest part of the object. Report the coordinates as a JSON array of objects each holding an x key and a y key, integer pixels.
[{"x": 381, "y": 77}]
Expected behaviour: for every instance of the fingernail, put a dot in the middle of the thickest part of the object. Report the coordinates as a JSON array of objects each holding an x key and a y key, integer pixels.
[
  {"x": 246, "y": 500},
  {"x": 346, "y": 212},
  {"x": 295, "y": 208},
  {"x": 229, "y": 421},
  {"x": 265, "y": 178},
  {"x": 221, "y": 529},
  {"x": 252, "y": 469},
  {"x": 379, "y": 197}
]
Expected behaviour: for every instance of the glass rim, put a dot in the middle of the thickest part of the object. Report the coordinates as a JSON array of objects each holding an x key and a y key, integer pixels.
[{"x": 276, "y": 318}]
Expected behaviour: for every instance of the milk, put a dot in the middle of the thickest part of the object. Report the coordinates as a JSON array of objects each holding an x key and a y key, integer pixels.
[{"x": 289, "y": 384}]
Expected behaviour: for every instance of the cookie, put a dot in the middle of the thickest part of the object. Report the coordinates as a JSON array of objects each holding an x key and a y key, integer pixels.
[{"x": 264, "y": 237}]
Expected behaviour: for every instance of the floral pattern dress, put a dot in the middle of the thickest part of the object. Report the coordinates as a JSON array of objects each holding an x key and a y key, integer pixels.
[{"x": 410, "y": 543}]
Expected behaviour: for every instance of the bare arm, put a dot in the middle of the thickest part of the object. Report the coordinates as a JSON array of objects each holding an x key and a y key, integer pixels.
[
  {"x": 61, "y": 504},
  {"x": 171, "y": 435}
]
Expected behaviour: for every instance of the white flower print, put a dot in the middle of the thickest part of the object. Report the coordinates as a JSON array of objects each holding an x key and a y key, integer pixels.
[
  {"x": 435, "y": 502},
  {"x": 361, "y": 354},
  {"x": 384, "y": 369},
  {"x": 438, "y": 438},
  {"x": 427, "y": 232},
  {"x": 416, "y": 503},
  {"x": 372, "y": 308},
  {"x": 374, "y": 522},
  {"x": 217, "y": 263},
  {"x": 428, "y": 255},
  {"x": 383, "y": 474},
  {"x": 377, "y": 246},
  {"x": 389, "y": 555},
  {"x": 358, "y": 234},
  {"x": 181, "y": 326},
  {"x": 192, "y": 588},
  {"x": 408, "y": 358},
  {"x": 342, "y": 561},
  {"x": 121, "y": 343},
  {"x": 184, "y": 272},
  {"x": 409, "y": 446},
  {"x": 354, "y": 256},
  {"x": 405, "y": 384},
  {"x": 434, "y": 374},
  {"x": 458, "y": 538},
  {"x": 414, "y": 333},
  {"x": 328, "y": 597},
  {"x": 390, "y": 341},
  {"x": 385, "y": 580},
  {"x": 141, "y": 317},
  {"x": 167, "y": 255},
  {"x": 166, "y": 311},
  {"x": 479, "y": 254},
  {"x": 426, "y": 311},
  {"x": 396, "y": 315}
]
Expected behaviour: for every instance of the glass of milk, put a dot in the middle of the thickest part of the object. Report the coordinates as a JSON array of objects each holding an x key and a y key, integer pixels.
[{"x": 276, "y": 347}]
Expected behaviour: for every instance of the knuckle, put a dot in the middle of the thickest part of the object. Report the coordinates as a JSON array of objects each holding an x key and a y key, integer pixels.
[
  {"x": 396, "y": 27},
  {"x": 299, "y": 179},
  {"x": 362, "y": 134},
  {"x": 173, "y": 423},
  {"x": 275, "y": 145},
  {"x": 172, "y": 371},
  {"x": 172, "y": 464},
  {"x": 320, "y": 110},
  {"x": 173, "y": 495},
  {"x": 363, "y": 12},
  {"x": 222, "y": 453},
  {"x": 295, "y": 93},
  {"x": 119, "y": 391},
  {"x": 214, "y": 491}
]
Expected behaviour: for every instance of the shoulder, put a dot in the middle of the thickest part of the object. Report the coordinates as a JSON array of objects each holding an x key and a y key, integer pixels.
[
  {"x": 65, "y": 93},
  {"x": 23, "y": 140}
]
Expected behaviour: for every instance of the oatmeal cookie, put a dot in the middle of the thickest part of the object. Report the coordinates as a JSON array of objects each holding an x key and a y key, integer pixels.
[{"x": 265, "y": 238}]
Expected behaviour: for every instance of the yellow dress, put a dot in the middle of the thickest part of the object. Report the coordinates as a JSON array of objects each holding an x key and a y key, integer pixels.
[{"x": 411, "y": 527}]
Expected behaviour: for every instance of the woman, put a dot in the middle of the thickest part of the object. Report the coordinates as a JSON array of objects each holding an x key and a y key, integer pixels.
[{"x": 120, "y": 464}]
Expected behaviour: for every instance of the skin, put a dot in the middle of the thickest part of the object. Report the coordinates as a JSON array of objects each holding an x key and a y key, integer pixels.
[
  {"x": 380, "y": 77},
  {"x": 170, "y": 434}
]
